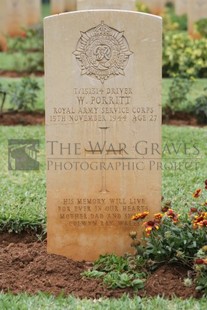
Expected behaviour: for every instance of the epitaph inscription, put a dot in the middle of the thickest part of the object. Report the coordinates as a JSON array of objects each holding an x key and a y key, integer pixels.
[{"x": 103, "y": 212}]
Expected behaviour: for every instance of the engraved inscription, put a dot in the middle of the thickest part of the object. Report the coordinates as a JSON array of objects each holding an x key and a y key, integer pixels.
[
  {"x": 103, "y": 104},
  {"x": 102, "y": 52},
  {"x": 100, "y": 212}
]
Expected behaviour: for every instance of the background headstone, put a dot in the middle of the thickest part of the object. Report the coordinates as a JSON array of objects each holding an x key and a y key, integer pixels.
[
  {"x": 70, "y": 5},
  {"x": 196, "y": 10},
  {"x": 106, "y": 4},
  {"x": 33, "y": 12},
  {"x": 16, "y": 17},
  {"x": 103, "y": 128},
  {"x": 3, "y": 16},
  {"x": 181, "y": 7},
  {"x": 155, "y": 6},
  {"x": 57, "y": 6}
]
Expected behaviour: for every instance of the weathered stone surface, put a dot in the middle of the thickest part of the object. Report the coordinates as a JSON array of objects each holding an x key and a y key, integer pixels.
[
  {"x": 15, "y": 17},
  {"x": 106, "y": 4},
  {"x": 155, "y": 6},
  {"x": 181, "y": 7},
  {"x": 70, "y": 5},
  {"x": 57, "y": 6},
  {"x": 196, "y": 10},
  {"x": 33, "y": 12},
  {"x": 3, "y": 44},
  {"x": 103, "y": 128}
]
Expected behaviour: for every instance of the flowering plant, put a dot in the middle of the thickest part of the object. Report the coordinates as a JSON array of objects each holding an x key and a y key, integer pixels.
[
  {"x": 172, "y": 237},
  {"x": 200, "y": 267}
]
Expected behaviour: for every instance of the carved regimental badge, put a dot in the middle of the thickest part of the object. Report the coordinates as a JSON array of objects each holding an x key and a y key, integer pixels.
[{"x": 102, "y": 52}]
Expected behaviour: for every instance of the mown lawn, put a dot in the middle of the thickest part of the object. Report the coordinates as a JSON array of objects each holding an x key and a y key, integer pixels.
[
  {"x": 23, "y": 205},
  {"x": 23, "y": 196},
  {"x": 48, "y": 302},
  {"x": 23, "y": 193}
]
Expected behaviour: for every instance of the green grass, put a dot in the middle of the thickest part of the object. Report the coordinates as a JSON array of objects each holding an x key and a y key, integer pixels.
[
  {"x": 180, "y": 182},
  {"x": 17, "y": 61},
  {"x": 45, "y": 10},
  {"x": 23, "y": 200},
  {"x": 22, "y": 204},
  {"x": 12, "y": 61},
  {"x": 22, "y": 195},
  {"x": 48, "y": 302},
  {"x": 8, "y": 62}
]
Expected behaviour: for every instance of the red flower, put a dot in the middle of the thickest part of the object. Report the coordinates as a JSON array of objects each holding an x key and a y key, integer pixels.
[
  {"x": 139, "y": 216},
  {"x": 149, "y": 226},
  {"x": 205, "y": 184},
  {"x": 193, "y": 210},
  {"x": 23, "y": 34},
  {"x": 204, "y": 223},
  {"x": 200, "y": 220},
  {"x": 171, "y": 214},
  {"x": 165, "y": 209},
  {"x": 158, "y": 217},
  {"x": 197, "y": 193},
  {"x": 199, "y": 261}
]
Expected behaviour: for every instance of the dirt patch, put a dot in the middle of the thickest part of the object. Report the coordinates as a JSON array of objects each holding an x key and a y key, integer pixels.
[
  {"x": 181, "y": 122},
  {"x": 15, "y": 74},
  {"x": 22, "y": 118},
  {"x": 180, "y": 119},
  {"x": 25, "y": 266},
  {"x": 168, "y": 280}
]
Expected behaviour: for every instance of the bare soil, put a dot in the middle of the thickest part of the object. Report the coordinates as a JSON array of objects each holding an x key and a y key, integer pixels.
[
  {"x": 15, "y": 74},
  {"x": 25, "y": 266},
  {"x": 180, "y": 119},
  {"x": 22, "y": 118}
]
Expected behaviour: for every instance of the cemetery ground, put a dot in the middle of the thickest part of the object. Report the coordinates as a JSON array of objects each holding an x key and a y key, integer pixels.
[
  {"x": 14, "y": 111},
  {"x": 33, "y": 279},
  {"x": 26, "y": 269}
]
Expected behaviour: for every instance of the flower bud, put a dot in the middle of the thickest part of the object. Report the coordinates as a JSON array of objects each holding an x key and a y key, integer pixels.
[
  {"x": 135, "y": 243},
  {"x": 168, "y": 234},
  {"x": 204, "y": 248},
  {"x": 188, "y": 282},
  {"x": 133, "y": 234}
]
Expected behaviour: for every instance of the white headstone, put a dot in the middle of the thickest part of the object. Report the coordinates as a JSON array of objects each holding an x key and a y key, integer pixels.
[
  {"x": 197, "y": 9},
  {"x": 103, "y": 128}
]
